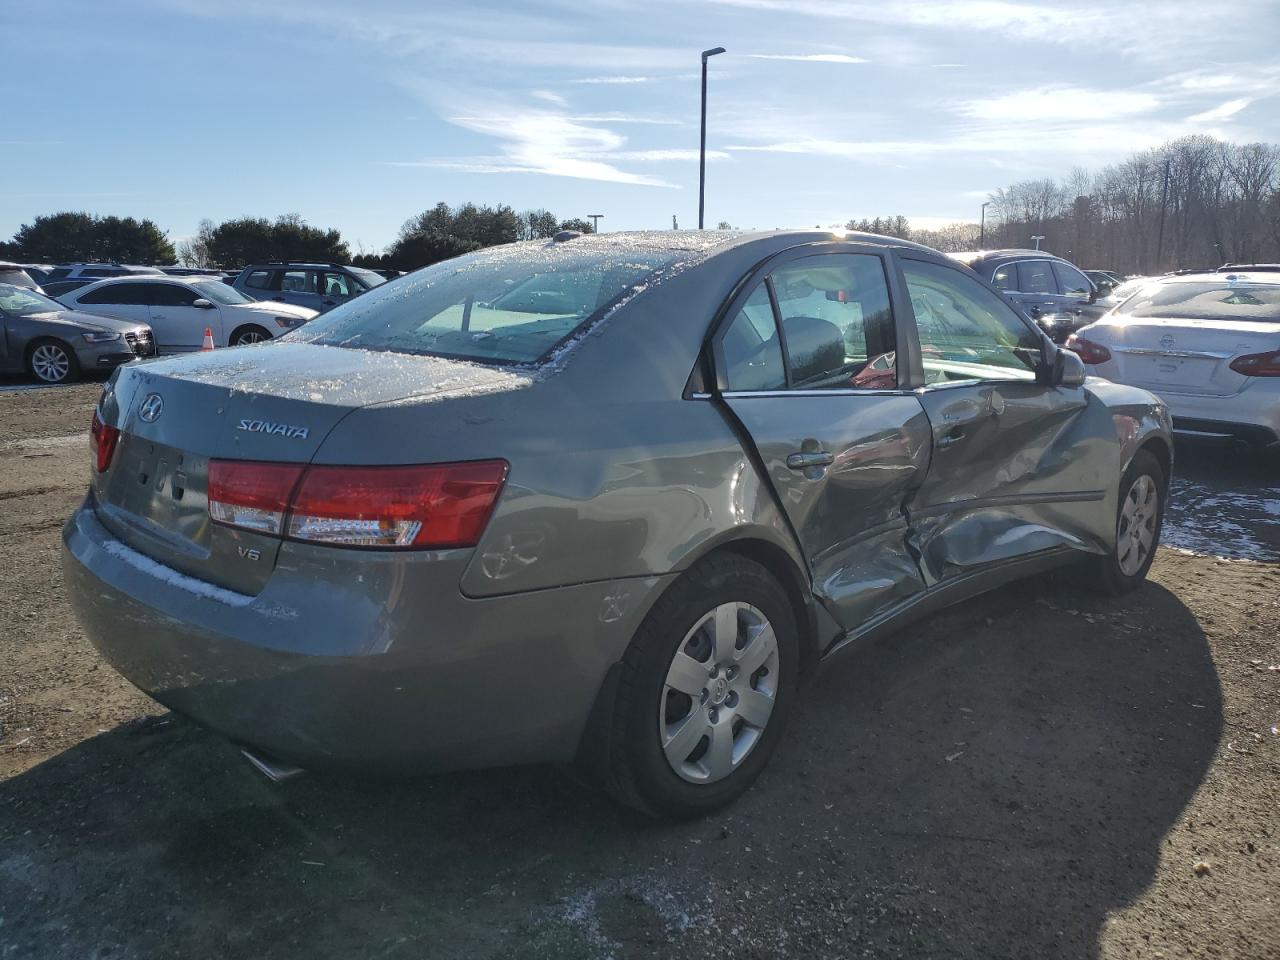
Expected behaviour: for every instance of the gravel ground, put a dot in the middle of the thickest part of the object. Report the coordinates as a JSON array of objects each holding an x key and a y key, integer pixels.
[{"x": 1036, "y": 773}]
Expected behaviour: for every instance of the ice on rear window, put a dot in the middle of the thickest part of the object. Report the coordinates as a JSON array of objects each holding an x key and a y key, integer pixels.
[
  {"x": 1225, "y": 299},
  {"x": 518, "y": 304}
]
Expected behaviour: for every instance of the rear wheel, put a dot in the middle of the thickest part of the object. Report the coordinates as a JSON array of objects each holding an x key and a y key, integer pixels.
[
  {"x": 1139, "y": 517},
  {"x": 52, "y": 361},
  {"x": 247, "y": 335},
  {"x": 706, "y": 688}
]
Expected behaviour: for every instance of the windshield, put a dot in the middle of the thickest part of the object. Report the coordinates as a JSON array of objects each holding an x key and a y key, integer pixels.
[
  {"x": 1210, "y": 300},
  {"x": 23, "y": 301},
  {"x": 219, "y": 292},
  {"x": 367, "y": 277},
  {"x": 513, "y": 306}
]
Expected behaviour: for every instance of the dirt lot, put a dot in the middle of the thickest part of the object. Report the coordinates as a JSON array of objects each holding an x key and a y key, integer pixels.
[{"x": 1038, "y": 773}]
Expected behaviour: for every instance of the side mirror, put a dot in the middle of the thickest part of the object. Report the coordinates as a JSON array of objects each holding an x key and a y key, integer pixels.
[
  {"x": 202, "y": 304},
  {"x": 1068, "y": 368}
]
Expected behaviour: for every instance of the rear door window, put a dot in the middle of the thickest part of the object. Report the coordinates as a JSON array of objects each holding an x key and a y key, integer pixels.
[
  {"x": 119, "y": 293},
  {"x": 339, "y": 285},
  {"x": 1035, "y": 276},
  {"x": 298, "y": 281},
  {"x": 750, "y": 349},
  {"x": 259, "y": 280}
]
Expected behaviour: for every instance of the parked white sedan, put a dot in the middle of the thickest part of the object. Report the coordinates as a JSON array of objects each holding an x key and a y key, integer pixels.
[
  {"x": 1207, "y": 344},
  {"x": 179, "y": 309}
]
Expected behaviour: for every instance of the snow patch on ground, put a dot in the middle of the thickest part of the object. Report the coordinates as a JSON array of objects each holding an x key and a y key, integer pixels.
[{"x": 1231, "y": 525}]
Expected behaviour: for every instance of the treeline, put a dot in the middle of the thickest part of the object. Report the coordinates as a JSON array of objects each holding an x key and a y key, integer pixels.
[
  {"x": 1193, "y": 203},
  {"x": 429, "y": 237}
]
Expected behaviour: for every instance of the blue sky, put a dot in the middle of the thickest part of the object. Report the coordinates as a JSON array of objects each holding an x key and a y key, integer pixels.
[{"x": 358, "y": 116}]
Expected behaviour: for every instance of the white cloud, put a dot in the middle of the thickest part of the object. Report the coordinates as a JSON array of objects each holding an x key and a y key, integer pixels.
[
  {"x": 809, "y": 57},
  {"x": 550, "y": 97},
  {"x": 614, "y": 80},
  {"x": 1223, "y": 111},
  {"x": 1059, "y": 103},
  {"x": 551, "y": 144}
]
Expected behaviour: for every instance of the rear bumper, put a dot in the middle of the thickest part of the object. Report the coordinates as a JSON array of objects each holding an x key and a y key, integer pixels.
[
  {"x": 1252, "y": 415},
  {"x": 370, "y": 661}
]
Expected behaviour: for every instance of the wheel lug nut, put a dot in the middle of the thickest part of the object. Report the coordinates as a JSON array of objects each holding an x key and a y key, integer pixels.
[{"x": 713, "y": 715}]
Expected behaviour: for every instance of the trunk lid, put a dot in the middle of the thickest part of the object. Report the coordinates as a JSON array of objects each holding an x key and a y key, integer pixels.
[
  {"x": 273, "y": 403},
  {"x": 1185, "y": 356}
]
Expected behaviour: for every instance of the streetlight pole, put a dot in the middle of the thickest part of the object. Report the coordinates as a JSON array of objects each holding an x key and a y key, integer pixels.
[
  {"x": 982, "y": 228},
  {"x": 595, "y": 219},
  {"x": 702, "y": 151},
  {"x": 1037, "y": 237}
]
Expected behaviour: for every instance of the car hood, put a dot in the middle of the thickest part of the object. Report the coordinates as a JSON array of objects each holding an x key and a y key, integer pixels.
[
  {"x": 275, "y": 308},
  {"x": 87, "y": 321}
]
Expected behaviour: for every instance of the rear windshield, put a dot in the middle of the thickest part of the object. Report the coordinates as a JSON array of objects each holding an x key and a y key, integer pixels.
[
  {"x": 1212, "y": 300},
  {"x": 510, "y": 306}
]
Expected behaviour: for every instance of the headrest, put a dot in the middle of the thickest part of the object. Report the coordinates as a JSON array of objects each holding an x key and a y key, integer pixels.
[{"x": 816, "y": 347}]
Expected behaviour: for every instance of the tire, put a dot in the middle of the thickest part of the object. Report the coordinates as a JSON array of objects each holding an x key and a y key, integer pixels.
[
  {"x": 249, "y": 334},
  {"x": 740, "y": 709},
  {"x": 52, "y": 361},
  {"x": 1143, "y": 491}
]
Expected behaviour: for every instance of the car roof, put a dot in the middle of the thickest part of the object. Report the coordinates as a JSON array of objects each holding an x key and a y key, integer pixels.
[{"x": 1012, "y": 253}]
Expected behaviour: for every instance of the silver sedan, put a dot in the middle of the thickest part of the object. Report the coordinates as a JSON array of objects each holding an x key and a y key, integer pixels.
[
  {"x": 44, "y": 339},
  {"x": 602, "y": 500}
]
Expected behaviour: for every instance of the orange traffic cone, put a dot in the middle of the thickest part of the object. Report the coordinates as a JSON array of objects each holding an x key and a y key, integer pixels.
[{"x": 208, "y": 339}]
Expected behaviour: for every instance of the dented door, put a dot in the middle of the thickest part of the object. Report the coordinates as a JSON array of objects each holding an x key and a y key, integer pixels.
[{"x": 1018, "y": 466}]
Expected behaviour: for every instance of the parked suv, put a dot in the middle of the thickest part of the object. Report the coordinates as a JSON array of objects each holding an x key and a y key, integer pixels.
[
  {"x": 95, "y": 271},
  {"x": 16, "y": 275},
  {"x": 1052, "y": 291},
  {"x": 316, "y": 286}
]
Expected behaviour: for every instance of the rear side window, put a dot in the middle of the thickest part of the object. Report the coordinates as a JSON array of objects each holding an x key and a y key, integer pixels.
[
  {"x": 1006, "y": 277},
  {"x": 1035, "y": 276},
  {"x": 508, "y": 306},
  {"x": 59, "y": 273},
  {"x": 119, "y": 293},
  {"x": 101, "y": 272},
  {"x": 259, "y": 280}
]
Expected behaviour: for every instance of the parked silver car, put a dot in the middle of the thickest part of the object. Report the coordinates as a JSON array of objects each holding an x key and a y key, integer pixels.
[
  {"x": 603, "y": 500},
  {"x": 41, "y": 337}
]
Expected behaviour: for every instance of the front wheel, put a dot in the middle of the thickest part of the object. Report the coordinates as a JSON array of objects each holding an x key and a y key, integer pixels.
[
  {"x": 247, "y": 335},
  {"x": 1139, "y": 518},
  {"x": 53, "y": 362},
  {"x": 706, "y": 687}
]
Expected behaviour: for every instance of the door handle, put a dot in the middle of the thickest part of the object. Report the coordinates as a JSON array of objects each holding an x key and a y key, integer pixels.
[
  {"x": 955, "y": 435},
  {"x": 157, "y": 316},
  {"x": 806, "y": 461},
  {"x": 278, "y": 299}
]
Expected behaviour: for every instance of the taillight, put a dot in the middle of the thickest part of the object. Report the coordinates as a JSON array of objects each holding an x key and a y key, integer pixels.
[
  {"x": 103, "y": 439},
  {"x": 252, "y": 496},
  {"x": 433, "y": 506},
  {"x": 1258, "y": 364},
  {"x": 1089, "y": 351}
]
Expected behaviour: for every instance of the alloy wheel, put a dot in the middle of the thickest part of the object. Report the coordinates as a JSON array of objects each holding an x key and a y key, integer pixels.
[
  {"x": 719, "y": 693},
  {"x": 250, "y": 336},
  {"x": 50, "y": 363},
  {"x": 1136, "y": 533}
]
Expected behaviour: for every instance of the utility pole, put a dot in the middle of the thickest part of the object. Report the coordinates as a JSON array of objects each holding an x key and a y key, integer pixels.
[
  {"x": 595, "y": 219},
  {"x": 1164, "y": 200},
  {"x": 702, "y": 151},
  {"x": 982, "y": 229}
]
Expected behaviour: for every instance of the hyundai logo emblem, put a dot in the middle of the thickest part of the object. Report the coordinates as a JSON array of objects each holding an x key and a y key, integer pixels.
[
  {"x": 1167, "y": 341},
  {"x": 152, "y": 405}
]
